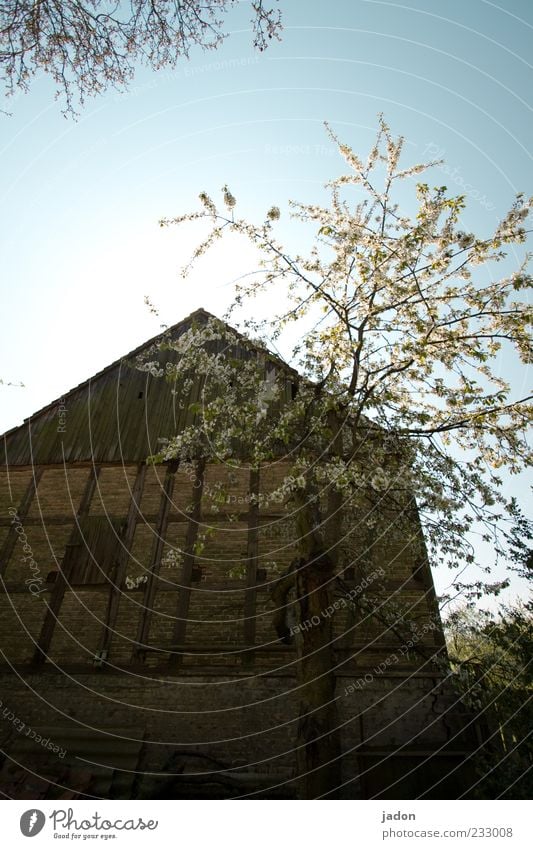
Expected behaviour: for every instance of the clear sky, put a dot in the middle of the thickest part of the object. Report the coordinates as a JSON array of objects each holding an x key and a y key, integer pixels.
[{"x": 81, "y": 200}]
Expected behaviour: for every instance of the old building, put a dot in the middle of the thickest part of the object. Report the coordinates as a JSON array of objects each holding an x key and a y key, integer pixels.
[{"x": 136, "y": 662}]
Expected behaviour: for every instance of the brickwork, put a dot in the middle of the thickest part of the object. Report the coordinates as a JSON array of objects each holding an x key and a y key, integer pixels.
[
  {"x": 217, "y": 591},
  {"x": 13, "y": 484},
  {"x": 21, "y": 618},
  {"x": 58, "y": 494}
]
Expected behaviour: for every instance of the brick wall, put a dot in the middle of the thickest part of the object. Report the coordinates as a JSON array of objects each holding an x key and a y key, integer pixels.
[{"x": 232, "y": 704}]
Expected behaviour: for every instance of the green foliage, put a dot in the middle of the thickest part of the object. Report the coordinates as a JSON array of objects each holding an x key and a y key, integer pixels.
[{"x": 491, "y": 659}]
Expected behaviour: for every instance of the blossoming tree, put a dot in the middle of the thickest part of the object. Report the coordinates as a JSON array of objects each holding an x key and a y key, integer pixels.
[
  {"x": 397, "y": 402},
  {"x": 88, "y": 45}
]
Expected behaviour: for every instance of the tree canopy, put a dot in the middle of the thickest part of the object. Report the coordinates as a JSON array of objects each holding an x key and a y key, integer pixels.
[
  {"x": 400, "y": 320},
  {"x": 393, "y": 418},
  {"x": 88, "y": 45}
]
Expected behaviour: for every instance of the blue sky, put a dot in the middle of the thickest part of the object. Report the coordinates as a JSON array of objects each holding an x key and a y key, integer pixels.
[{"x": 81, "y": 200}]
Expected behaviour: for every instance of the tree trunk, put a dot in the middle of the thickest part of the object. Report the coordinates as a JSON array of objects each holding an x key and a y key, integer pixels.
[{"x": 318, "y": 737}]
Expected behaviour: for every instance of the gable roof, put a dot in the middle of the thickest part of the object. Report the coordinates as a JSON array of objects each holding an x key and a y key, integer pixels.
[{"x": 115, "y": 416}]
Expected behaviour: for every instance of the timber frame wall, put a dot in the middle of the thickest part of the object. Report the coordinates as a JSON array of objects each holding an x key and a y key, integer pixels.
[
  {"x": 189, "y": 608},
  {"x": 134, "y": 594}
]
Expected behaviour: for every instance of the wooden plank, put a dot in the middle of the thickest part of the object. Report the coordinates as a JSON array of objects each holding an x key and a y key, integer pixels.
[
  {"x": 22, "y": 510},
  {"x": 94, "y": 548},
  {"x": 36, "y": 522},
  {"x": 143, "y": 630},
  {"x": 184, "y": 596},
  {"x": 118, "y": 575},
  {"x": 211, "y": 649},
  {"x": 63, "y": 578}
]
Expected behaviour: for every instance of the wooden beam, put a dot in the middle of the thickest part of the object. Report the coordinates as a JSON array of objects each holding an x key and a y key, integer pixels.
[
  {"x": 226, "y": 649},
  {"x": 116, "y": 579},
  {"x": 143, "y": 630},
  {"x": 63, "y": 579},
  {"x": 184, "y": 595},
  {"x": 9, "y": 543}
]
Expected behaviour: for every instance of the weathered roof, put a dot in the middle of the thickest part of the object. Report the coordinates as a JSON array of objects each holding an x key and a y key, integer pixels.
[{"x": 116, "y": 416}]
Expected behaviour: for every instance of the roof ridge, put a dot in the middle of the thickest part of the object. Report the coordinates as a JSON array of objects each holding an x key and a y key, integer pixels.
[
  {"x": 180, "y": 326},
  {"x": 154, "y": 340}
]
